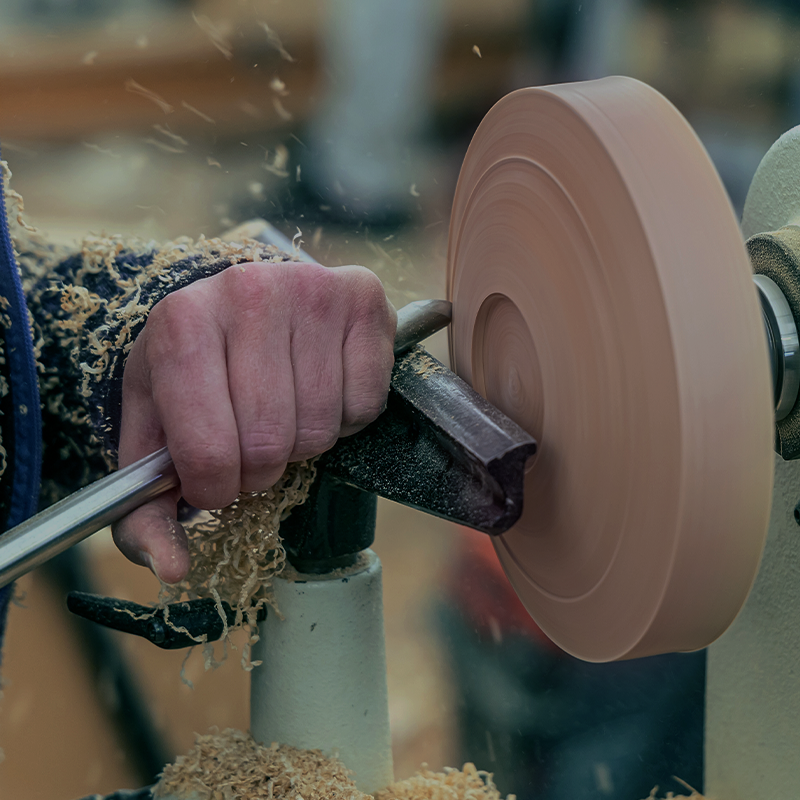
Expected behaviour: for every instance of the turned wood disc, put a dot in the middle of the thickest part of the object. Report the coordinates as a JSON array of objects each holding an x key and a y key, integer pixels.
[{"x": 603, "y": 299}]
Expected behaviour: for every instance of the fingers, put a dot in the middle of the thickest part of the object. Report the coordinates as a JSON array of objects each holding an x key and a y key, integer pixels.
[
  {"x": 260, "y": 378},
  {"x": 184, "y": 351},
  {"x": 242, "y": 372},
  {"x": 316, "y": 351},
  {"x": 367, "y": 353}
]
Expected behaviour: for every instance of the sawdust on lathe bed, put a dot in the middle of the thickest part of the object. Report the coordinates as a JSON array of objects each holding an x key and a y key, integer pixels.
[{"x": 231, "y": 764}]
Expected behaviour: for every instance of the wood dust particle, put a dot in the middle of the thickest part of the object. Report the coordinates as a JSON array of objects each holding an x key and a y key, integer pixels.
[
  {"x": 278, "y": 86},
  {"x": 213, "y": 163},
  {"x": 297, "y": 174},
  {"x": 178, "y": 140},
  {"x": 279, "y": 163},
  {"x": 413, "y": 190},
  {"x": 285, "y": 115},
  {"x": 250, "y": 109},
  {"x": 198, "y": 112},
  {"x": 97, "y": 149},
  {"x": 215, "y": 35},
  {"x": 163, "y": 146},
  {"x": 426, "y": 366},
  {"x": 137, "y": 88},
  {"x": 89, "y": 58},
  {"x": 477, "y": 51},
  {"x": 275, "y": 41}
]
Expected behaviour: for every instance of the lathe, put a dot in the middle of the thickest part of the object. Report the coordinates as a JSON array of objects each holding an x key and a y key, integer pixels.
[{"x": 620, "y": 380}]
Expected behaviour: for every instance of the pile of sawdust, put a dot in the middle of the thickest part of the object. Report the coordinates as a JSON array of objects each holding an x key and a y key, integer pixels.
[{"x": 231, "y": 764}]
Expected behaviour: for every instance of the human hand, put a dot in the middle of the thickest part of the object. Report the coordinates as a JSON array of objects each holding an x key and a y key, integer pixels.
[{"x": 239, "y": 374}]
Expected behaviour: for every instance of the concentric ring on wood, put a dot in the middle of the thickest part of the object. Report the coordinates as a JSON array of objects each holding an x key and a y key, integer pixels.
[{"x": 603, "y": 299}]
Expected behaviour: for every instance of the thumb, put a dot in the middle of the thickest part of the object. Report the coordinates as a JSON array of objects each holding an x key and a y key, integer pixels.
[{"x": 152, "y": 537}]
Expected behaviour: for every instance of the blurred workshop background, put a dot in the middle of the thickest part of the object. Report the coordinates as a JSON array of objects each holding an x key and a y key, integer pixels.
[{"x": 343, "y": 121}]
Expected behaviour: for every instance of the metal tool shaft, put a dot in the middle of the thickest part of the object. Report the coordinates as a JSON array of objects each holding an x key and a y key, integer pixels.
[{"x": 103, "y": 502}]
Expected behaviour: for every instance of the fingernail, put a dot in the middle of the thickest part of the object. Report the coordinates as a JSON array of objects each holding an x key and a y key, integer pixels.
[{"x": 148, "y": 559}]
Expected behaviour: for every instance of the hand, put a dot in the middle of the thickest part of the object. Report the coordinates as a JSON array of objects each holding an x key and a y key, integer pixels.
[{"x": 239, "y": 374}]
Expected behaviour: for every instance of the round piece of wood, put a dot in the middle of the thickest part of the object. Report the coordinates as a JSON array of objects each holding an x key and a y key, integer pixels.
[{"x": 603, "y": 299}]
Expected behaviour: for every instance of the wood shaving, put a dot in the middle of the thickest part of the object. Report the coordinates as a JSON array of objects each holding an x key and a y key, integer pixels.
[
  {"x": 163, "y": 146},
  {"x": 477, "y": 51},
  {"x": 281, "y": 110},
  {"x": 137, "y": 88},
  {"x": 198, "y": 112},
  {"x": 215, "y": 35},
  {"x": 426, "y": 366},
  {"x": 250, "y": 109},
  {"x": 173, "y": 137},
  {"x": 278, "y": 86},
  {"x": 101, "y": 150},
  {"x": 275, "y": 41},
  {"x": 279, "y": 163}
]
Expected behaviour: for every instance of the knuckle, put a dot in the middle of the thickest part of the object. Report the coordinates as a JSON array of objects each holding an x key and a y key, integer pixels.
[
  {"x": 363, "y": 410},
  {"x": 370, "y": 304},
  {"x": 249, "y": 287},
  {"x": 174, "y": 328},
  {"x": 267, "y": 447},
  {"x": 315, "y": 439},
  {"x": 315, "y": 290},
  {"x": 205, "y": 460}
]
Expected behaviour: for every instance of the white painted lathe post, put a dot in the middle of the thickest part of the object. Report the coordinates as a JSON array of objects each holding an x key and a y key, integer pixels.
[{"x": 322, "y": 680}]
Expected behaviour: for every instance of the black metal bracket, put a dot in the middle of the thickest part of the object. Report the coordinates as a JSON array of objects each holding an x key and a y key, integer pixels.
[{"x": 190, "y": 620}]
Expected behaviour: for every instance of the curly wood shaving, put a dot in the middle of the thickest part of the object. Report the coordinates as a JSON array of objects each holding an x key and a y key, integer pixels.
[
  {"x": 468, "y": 783},
  {"x": 237, "y": 551}
]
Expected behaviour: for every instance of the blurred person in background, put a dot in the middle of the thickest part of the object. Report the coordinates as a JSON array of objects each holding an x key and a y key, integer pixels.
[{"x": 378, "y": 60}]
